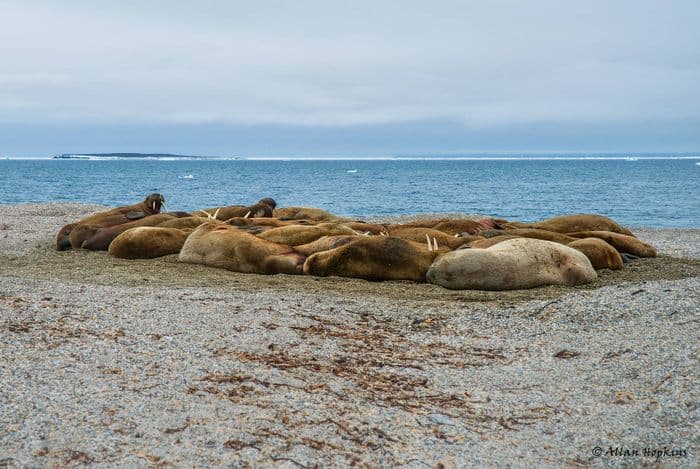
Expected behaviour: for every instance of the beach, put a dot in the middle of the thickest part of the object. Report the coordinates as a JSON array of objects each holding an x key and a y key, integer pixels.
[{"x": 105, "y": 361}]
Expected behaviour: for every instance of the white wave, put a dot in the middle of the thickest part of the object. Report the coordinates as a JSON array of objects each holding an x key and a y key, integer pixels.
[
  {"x": 352, "y": 170},
  {"x": 186, "y": 176}
]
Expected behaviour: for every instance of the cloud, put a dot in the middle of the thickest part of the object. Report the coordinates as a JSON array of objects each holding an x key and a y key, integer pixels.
[{"x": 479, "y": 64}]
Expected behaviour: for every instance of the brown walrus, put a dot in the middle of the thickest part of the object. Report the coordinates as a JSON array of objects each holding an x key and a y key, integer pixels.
[
  {"x": 304, "y": 213},
  {"x": 574, "y": 223},
  {"x": 374, "y": 258},
  {"x": 418, "y": 235},
  {"x": 263, "y": 208},
  {"x": 191, "y": 222},
  {"x": 325, "y": 243},
  {"x": 148, "y": 242},
  {"x": 601, "y": 254},
  {"x": 533, "y": 233},
  {"x": 623, "y": 243},
  {"x": 223, "y": 246},
  {"x": 510, "y": 265},
  {"x": 483, "y": 243},
  {"x": 98, "y": 238},
  {"x": 150, "y": 206},
  {"x": 295, "y": 235},
  {"x": 362, "y": 227}
]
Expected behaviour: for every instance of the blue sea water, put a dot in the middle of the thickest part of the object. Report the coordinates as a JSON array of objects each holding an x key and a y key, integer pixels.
[{"x": 635, "y": 192}]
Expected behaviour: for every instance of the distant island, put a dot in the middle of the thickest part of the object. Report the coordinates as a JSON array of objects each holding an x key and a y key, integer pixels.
[{"x": 142, "y": 156}]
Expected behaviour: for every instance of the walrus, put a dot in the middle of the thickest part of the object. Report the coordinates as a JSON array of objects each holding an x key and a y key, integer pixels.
[
  {"x": 374, "y": 258},
  {"x": 295, "y": 235},
  {"x": 148, "y": 242},
  {"x": 510, "y": 265},
  {"x": 305, "y": 213},
  {"x": 263, "y": 208},
  {"x": 362, "y": 227},
  {"x": 223, "y": 246},
  {"x": 325, "y": 243},
  {"x": 483, "y": 243},
  {"x": 98, "y": 238},
  {"x": 533, "y": 233},
  {"x": 601, "y": 254},
  {"x": 151, "y": 205},
  {"x": 456, "y": 226},
  {"x": 574, "y": 223},
  {"x": 623, "y": 243},
  {"x": 418, "y": 234},
  {"x": 190, "y": 222}
]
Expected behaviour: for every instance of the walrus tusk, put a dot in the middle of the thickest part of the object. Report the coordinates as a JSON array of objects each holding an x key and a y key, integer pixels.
[
  {"x": 154, "y": 205},
  {"x": 216, "y": 214},
  {"x": 435, "y": 243},
  {"x": 366, "y": 233},
  {"x": 163, "y": 208},
  {"x": 247, "y": 214},
  {"x": 430, "y": 246}
]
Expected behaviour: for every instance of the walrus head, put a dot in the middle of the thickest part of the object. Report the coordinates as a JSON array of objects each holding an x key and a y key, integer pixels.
[
  {"x": 268, "y": 201},
  {"x": 154, "y": 202}
]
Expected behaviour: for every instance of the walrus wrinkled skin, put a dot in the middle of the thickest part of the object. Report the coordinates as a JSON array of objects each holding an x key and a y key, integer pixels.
[
  {"x": 374, "y": 258},
  {"x": 601, "y": 254},
  {"x": 295, "y": 235},
  {"x": 510, "y": 265},
  {"x": 223, "y": 246},
  {"x": 572, "y": 223},
  {"x": 623, "y": 243},
  {"x": 148, "y": 242},
  {"x": 98, "y": 239},
  {"x": 264, "y": 208},
  {"x": 150, "y": 206}
]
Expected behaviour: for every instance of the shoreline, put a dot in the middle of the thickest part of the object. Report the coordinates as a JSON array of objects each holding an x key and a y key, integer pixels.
[{"x": 151, "y": 362}]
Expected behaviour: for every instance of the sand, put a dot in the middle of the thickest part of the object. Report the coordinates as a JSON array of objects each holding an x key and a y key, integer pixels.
[{"x": 113, "y": 362}]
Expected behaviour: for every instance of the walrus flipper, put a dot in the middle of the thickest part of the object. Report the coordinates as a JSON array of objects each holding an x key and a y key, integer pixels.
[
  {"x": 136, "y": 215},
  {"x": 627, "y": 257}
]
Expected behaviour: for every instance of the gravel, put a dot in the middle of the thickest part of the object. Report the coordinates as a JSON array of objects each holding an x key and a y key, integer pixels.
[{"x": 111, "y": 362}]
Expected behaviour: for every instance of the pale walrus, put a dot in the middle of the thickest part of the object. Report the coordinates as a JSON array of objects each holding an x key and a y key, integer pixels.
[
  {"x": 295, "y": 235},
  {"x": 374, "y": 258},
  {"x": 623, "y": 243},
  {"x": 148, "y": 242},
  {"x": 601, "y": 254},
  {"x": 98, "y": 238},
  {"x": 510, "y": 265},
  {"x": 150, "y": 206},
  {"x": 573, "y": 223},
  {"x": 226, "y": 247}
]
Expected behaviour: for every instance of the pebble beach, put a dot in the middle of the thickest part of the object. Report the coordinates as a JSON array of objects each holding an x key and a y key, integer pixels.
[{"x": 110, "y": 362}]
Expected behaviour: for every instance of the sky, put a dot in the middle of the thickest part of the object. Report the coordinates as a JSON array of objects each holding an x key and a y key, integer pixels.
[{"x": 340, "y": 78}]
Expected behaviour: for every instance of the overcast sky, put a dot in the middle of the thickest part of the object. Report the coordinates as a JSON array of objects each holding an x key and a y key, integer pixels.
[{"x": 355, "y": 77}]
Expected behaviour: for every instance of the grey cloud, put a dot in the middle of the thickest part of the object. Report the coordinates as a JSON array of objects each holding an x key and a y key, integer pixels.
[{"x": 348, "y": 63}]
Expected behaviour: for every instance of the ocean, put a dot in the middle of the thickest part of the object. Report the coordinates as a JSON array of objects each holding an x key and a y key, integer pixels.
[{"x": 655, "y": 192}]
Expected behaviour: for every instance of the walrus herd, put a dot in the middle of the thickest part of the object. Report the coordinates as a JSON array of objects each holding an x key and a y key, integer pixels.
[{"x": 488, "y": 254}]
